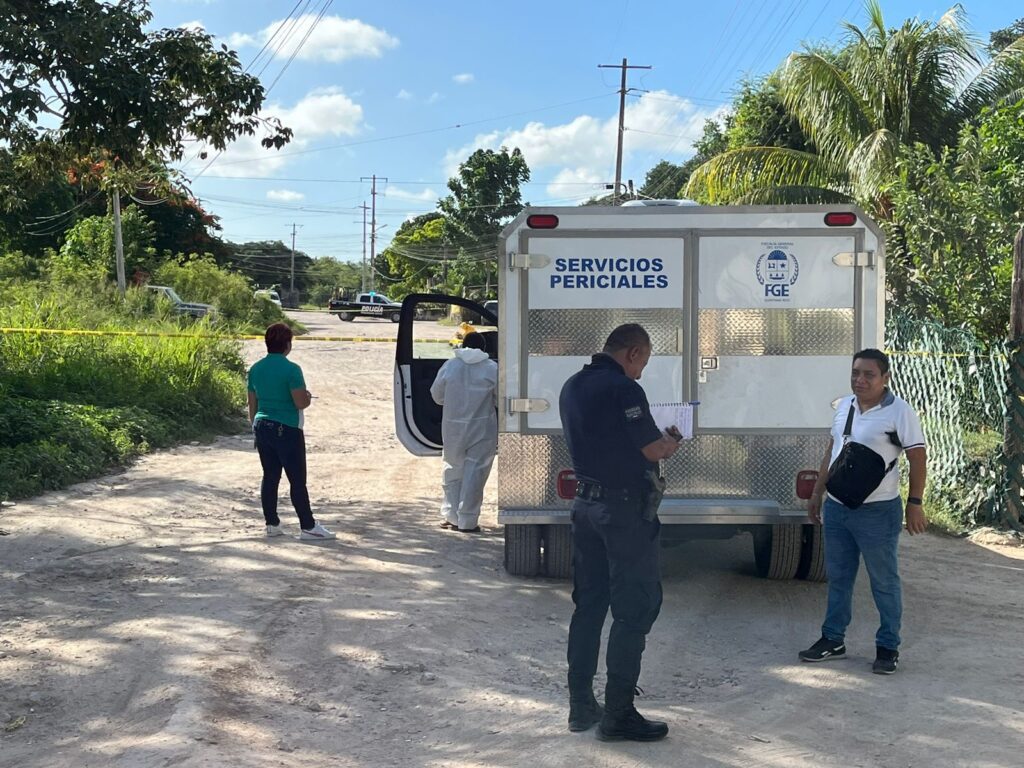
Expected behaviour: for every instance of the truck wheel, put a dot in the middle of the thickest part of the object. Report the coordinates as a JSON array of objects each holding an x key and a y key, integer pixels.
[
  {"x": 522, "y": 550},
  {"x": 396, "y": 317},
  {"x": 345, "y": 317},
  {"x": 557, "y": 551},
  {"x": 777, "y": 550},
  {"x": 812, "y": 554}
]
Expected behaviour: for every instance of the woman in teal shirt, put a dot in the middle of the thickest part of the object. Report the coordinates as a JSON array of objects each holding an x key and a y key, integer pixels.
[{"x": 277, "y": 398}]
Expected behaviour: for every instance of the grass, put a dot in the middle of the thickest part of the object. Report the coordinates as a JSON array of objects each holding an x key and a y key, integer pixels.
[{"x": 72, "y": 407}]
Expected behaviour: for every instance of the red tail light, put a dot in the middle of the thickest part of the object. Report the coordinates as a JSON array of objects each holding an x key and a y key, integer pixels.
[
  {"x": 566, "y": 484},
  {"x": 542, "y": 221},
  {"x": 805, "y": 481},
  {"x": 840, "y": 219}
]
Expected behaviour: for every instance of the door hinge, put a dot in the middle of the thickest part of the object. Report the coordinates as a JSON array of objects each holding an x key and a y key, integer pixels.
[
  {"x": 527, "y": 260},
  {"x": 527, "y": 405},
  {"x": 854, "y": 259}
]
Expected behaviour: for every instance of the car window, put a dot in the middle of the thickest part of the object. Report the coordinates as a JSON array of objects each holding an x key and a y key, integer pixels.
[
  {"x": 364, "y": 297},
  {"x": 379, "y": 300}
]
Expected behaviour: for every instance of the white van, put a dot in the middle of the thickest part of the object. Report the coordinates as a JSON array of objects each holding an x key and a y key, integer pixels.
[{"x": 754, "y": 314}]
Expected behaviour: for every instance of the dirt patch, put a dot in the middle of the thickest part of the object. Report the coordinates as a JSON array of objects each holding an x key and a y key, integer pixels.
[{"x": 145, "y": 621}]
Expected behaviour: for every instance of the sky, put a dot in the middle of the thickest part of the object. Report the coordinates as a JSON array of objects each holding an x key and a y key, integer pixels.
[{"x": 406, "y": 90}]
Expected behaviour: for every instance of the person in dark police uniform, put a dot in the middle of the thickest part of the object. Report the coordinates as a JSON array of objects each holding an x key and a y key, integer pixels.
[{"x": 614, "y": 443}]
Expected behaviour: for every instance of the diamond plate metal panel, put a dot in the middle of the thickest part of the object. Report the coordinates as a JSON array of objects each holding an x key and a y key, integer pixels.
[
  {"x": 745, "y": 332},
  {"x": 556, "y": 332},
  {"x": 709, "y": 466}
]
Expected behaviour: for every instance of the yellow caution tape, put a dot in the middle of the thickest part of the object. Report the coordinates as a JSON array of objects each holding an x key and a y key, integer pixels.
[{"x": 216, "y": 336}]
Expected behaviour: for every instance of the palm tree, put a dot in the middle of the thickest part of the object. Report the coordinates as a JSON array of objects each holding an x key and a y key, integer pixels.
[{"x": 884, "y": 89}]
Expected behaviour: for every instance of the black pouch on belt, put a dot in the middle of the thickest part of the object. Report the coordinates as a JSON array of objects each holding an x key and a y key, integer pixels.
[{"x": 654, "y": 492}]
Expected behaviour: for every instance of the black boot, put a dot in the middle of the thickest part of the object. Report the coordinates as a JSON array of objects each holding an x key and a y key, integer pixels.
[
  {"x": 584, "y": 711},
  {"x": 630, "y": 725}
]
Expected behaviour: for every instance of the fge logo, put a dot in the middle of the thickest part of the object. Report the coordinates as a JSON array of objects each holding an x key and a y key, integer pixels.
[{"x": 777, "y": 271}]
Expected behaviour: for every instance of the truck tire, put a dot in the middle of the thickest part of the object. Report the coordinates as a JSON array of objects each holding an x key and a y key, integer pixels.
[
  {"x": 522, "y": 550},
  {"x": 396, "y": 317},
  {"x": 557, "y": 551},
  {"x": 812, "y": 554},
  {"x": 777, "y": 550},
  {"x": 346, "y": 317}
]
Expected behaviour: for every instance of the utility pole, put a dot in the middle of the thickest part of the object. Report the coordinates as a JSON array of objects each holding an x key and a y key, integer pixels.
[
  {"x": 118, "y": 243},
  {"x": 291, "y": 287},
  {"x": 365, "y": 208},
  {"x": 622, "y": 118},
  {"x": 373, "y": 224}
]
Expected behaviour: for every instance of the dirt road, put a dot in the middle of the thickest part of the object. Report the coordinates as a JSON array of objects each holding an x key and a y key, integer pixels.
[{"x": 146, "y": 622}]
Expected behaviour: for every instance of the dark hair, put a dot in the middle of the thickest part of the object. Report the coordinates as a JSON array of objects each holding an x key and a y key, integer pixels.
[
  {"x": 874, "y": 354},
  {"x": 626, "y": 337},
  {"x": 474, "y": 340},
  {"x": 278, "y": 337}
]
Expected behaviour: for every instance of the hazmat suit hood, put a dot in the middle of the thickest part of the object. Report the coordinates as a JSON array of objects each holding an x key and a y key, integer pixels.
[{"x": 471, "y": 356}]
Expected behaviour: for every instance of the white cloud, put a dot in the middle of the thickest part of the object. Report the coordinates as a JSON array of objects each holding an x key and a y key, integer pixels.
[
  {"x": 324, "y": 112},
  {"x": 285, "y": 195},
  {"x": 463, "y": 79},
  {"x": 332, "y": 39},
  {"x": 427, "y": 195},
  {"x": 582, "y": 152},
  {"x": 404, "y": 95},
  {"x": 196, "y": 26},
  {"x": 434, "y": 98}
]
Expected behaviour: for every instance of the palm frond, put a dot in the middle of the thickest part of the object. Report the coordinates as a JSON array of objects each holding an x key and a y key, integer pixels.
[
  {"x": 825, "y": 103},
  {"x": 793, "y": 195},
  {"x": 873, "y": 163},
  {"x": 1000, "y": 79},
  {"x": 733, "y": 175}
]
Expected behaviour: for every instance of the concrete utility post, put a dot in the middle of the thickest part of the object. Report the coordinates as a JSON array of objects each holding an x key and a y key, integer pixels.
[
  {"x": 365, "y": 208},
  {"x": 373, "y": 224},
  {"x": 622, "y": 117},
  {"x": 118, "y": 244}
]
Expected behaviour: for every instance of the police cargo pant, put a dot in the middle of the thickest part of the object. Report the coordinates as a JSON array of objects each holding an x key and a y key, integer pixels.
[{"x": 615, "y": 562}]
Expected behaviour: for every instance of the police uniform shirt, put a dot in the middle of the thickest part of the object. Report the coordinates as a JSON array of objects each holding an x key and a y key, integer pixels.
[
  {"x": 872, "y": 428},
  {"x": 607, "y": 421}
]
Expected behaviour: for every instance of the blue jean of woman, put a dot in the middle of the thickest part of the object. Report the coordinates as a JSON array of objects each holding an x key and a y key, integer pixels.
[{"x": 872, "y": 531}]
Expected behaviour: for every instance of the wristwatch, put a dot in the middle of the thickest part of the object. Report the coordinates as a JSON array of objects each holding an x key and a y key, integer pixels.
[{"x": 915, "y": 500}]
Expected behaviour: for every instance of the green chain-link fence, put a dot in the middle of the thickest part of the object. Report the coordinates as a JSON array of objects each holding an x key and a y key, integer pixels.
[{"x": 958, "y": 387}]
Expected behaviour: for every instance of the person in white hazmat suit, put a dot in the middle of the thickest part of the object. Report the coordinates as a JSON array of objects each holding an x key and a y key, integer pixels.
[{"x": 467, "y": 388}]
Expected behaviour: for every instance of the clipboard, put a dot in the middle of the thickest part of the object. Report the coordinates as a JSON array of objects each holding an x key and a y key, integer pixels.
[{"x": 678, "y": 415}]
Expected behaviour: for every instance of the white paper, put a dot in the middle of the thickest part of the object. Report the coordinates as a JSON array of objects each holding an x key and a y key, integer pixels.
[{"x": 678, "y": 415}]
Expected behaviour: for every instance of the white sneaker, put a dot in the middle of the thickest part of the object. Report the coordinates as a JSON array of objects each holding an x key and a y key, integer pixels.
[
  {"x": 318, "y": 532},
  {"x": 274, "y": 530}
]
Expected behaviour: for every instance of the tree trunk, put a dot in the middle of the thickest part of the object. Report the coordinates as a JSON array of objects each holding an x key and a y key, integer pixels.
[{"x": 1013, "y": 445}]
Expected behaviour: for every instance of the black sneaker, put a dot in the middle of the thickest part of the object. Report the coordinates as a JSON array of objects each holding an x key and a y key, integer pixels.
[
  {"x": 823, "y": 650},
  {"x": 630, "y": 726},
  {"x": 584, "y": 713},
  {"x": 886, "y": 660}
]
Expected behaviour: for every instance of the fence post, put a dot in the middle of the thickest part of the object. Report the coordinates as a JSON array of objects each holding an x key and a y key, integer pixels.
[{"x": 1013, "y": 433}]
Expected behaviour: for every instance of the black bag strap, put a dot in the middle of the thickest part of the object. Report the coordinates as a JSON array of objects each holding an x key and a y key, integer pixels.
[{"x": 849, "y": 424}]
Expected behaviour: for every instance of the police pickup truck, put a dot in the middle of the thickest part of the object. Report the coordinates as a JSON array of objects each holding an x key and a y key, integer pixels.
[{"x": 366, "y": 305}]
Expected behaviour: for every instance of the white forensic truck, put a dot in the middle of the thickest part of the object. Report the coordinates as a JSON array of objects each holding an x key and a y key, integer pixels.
[{"x": 754, "y": 314}]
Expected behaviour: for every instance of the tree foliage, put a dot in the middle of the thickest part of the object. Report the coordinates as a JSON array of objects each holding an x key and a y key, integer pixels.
[
  {"x": 485, "y": 194},
  {"x": 111, "y": 83},
  {"x": 954, "y": 216},
  {"x": 883, "y": 90}
]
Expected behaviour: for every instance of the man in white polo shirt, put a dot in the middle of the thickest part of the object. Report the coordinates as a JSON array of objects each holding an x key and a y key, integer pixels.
[{"x": 887, "y": 425}]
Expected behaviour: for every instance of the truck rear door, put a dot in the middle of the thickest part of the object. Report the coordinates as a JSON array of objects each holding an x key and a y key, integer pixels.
[
  {"x": 575, "y": 288},
  {"x": 776, "y": 324}
]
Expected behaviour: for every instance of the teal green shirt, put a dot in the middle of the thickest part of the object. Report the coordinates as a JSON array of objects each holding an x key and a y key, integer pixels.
[{"x": 272, "y": 379}]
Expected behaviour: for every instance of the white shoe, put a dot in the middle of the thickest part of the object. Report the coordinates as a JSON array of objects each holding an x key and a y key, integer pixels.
[
  {"x": 318, "y": 532},
  {"x": 274, "y": 530}
]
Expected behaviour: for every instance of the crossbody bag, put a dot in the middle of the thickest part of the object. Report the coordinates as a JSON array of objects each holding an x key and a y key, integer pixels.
[{"x": 858, "y": 470}]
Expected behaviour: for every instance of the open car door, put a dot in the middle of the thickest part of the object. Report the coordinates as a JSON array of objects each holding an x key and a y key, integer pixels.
[{"x": 417, "y": 361}]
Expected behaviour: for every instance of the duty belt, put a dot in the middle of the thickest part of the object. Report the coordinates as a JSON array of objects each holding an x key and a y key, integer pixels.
[{"x": 597, "y": 492}]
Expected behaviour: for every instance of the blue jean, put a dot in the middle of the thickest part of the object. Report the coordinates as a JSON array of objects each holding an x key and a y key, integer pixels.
[
  {"x": 871, "y": 530},
  {"x": 283, "y": 448}
]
